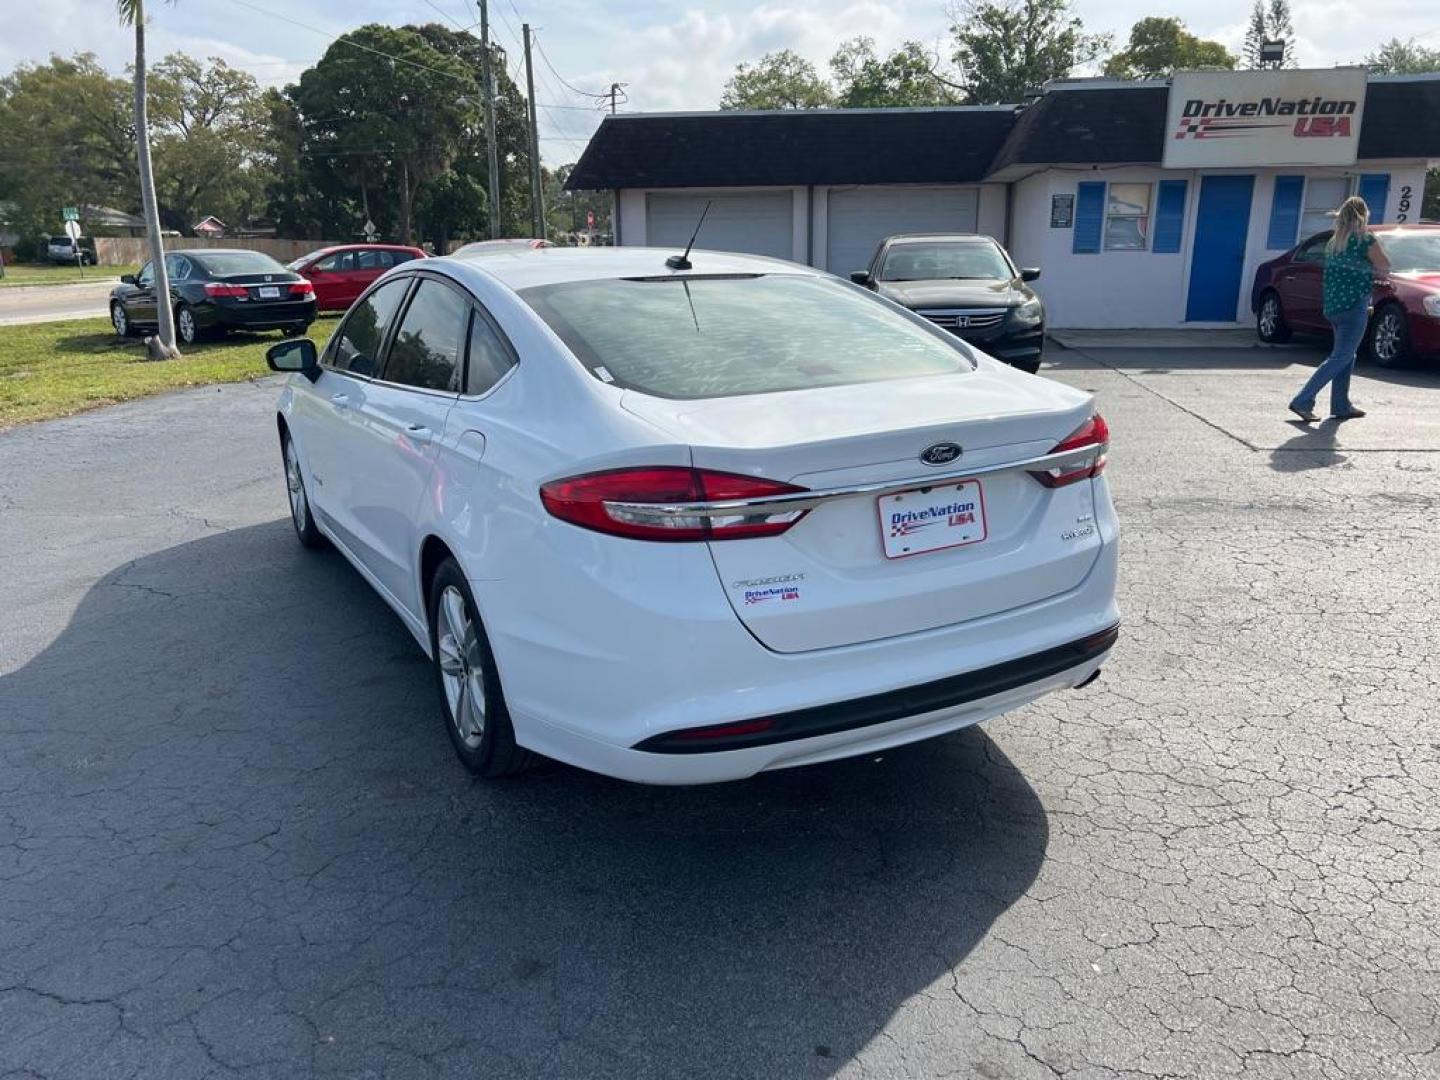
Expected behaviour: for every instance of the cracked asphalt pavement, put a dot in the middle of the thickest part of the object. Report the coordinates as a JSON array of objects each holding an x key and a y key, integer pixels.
[{"x": 234, "y": 841}]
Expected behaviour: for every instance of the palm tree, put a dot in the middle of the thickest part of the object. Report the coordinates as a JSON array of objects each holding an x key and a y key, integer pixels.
[{"x": 132, "y": 13}]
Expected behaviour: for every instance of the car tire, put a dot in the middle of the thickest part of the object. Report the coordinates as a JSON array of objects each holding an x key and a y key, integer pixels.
[
  {"x": 301, "y": 515},
  {"x": 120, "y": 319},
  {"x": 1030, "y": 367},
  {"x": 468, "y": 681},
  {"x": 292, "y": 331},
  {"x": 1270, "y": 322},
  {"x": 1388, "y": 342},
  {"x": 187, "y": 327}
]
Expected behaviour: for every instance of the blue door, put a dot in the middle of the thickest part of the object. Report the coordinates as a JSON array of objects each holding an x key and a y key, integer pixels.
[{"x": 1219, "y": 259}]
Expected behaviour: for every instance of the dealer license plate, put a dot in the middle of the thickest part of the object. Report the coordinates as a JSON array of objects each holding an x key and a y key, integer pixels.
[
  {"x": 933, "y": 518},
  {"x": 269, "y": 292}
]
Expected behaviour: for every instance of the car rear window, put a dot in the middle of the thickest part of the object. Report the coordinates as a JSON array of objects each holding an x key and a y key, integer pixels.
[
  {"x": 706, "y": 337},
  {"x": 224, "y": 263}
]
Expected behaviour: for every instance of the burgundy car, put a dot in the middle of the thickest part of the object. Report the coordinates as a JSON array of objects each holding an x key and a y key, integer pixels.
[
  {"x": 1287, "y": 294},
  {"x": 341, "y": 274}
]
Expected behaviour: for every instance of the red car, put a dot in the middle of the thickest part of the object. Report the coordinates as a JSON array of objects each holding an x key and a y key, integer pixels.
[
  {"x": 1287, "y": 293},
  {"x": 341, "y": 274}
]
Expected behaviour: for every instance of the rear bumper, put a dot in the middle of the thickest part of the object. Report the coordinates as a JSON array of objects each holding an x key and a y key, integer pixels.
[
  {"x": 598, "y": 676},
  {"x": 941, "y": 696},
  {"x": 257, "y": 316}
]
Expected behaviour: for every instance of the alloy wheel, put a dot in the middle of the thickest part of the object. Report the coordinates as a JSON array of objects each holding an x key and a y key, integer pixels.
[
  {"x": 1269, "y": 316},
  {"x": 118, "y": 319},
  {"x": 460, "y": 668},
  {"x": 185, "y": 323},
  {"x": 1386, "y": 340},
  {"x": 299, "y": 507}
]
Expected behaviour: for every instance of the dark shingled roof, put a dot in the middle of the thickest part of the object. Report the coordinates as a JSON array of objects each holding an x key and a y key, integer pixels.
[
  {"x": 1402, "y": 119},
  {"x": 1089, "y": 126},
  {"x": 1074, "y": 124},
  {"x": 822, "y": 146}
]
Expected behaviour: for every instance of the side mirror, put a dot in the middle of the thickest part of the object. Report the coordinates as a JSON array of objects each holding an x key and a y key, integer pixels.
[
  {"x": 297, "y": 354},
  {"x": 1030, "y": 273},
  {"x": 861, "y": 277},
  {"x": 127, "y": 279}
]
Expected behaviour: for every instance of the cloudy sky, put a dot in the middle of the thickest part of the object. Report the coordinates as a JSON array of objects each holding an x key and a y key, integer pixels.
[{"x": 669, "y": 55}]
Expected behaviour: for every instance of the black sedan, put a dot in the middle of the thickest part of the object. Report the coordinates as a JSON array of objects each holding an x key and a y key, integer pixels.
[
  {"x": 215, "y": 290},
  {"x": 966, "y": 284}
]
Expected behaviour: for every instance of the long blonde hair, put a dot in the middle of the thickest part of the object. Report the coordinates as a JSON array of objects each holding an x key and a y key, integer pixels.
[{"x": 1351, "y": 219}]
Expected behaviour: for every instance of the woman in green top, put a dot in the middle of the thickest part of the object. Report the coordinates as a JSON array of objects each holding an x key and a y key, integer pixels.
[{"x": 1353, "y": 259}]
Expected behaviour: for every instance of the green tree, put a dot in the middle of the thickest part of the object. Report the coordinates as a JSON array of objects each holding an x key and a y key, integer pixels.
[
  {"x": 1270, "y": 23},
  {"x": 384, "y": 109},
  {"x": 778, "y": 80},
  {"x": 66, "y": 139},
  {"x": 210, "y": 138},
  {"x": 1005, "y": 49},
  {"x": 132, "y": 13},
  {"x": 1161, "y": 46},
  {"x": 565, "y": 211},
  {"x": 511, "y": 131},
  {"x": 905, "y": 78},
  {"x": 1397, "y": 57}
]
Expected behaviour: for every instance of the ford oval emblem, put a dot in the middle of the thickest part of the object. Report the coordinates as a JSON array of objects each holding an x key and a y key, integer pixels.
[{"x": 942, "y": 453}]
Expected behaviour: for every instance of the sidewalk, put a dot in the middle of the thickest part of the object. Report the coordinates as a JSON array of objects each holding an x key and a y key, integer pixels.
[{"x": 1227, "y": 338}]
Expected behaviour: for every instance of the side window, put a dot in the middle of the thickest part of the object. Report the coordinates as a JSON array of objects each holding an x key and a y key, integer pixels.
[
  {"x": 398, "y": 257},
  {"x": 1313, "y": 250},
  {"x": 489, "y": 358},
  {"x": 356, "y": 347},
  {"x": 339, "y": 261},
  {"x": 426, "y": 349},
  {"x": 373, "y": 260},
  {"x": 177, "y": 267},
  {"x": 146, "y": 277}
]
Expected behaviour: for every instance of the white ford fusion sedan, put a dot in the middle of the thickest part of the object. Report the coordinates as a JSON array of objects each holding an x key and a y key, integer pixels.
[{"x": 684, "y": 525}]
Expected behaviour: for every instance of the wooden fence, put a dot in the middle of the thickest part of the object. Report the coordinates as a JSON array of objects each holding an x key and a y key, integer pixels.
[{"x": 123, "y": 250}]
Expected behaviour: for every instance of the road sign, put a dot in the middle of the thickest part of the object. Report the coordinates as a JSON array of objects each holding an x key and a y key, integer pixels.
[
  {"x": 70, "y": 213},
  {"x": 72, "y": 229},
  {"x": 590, "y": 219},
  {"x": 369, "y": 230}
]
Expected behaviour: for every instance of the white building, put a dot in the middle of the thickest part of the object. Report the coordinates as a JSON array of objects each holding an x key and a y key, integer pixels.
[{"x": 1144, "y": 204}]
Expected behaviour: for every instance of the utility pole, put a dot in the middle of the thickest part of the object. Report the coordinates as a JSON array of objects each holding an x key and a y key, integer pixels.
[
  {"x": 537, "y": 204},
  {"x": 487, "y": 76},
  {"x": 614, "y": 89}
]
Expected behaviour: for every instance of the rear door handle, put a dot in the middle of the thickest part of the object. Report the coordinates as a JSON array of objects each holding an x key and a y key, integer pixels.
[
  {"x": 340, "y": 401},
  {"x": 419, "y": 433}
]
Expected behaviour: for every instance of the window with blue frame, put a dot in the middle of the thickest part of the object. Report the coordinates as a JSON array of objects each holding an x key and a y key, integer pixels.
[{"x": 1129, "y": 216}]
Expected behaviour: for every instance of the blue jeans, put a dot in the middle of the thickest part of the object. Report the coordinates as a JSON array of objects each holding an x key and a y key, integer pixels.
[{"x": 1349, "y": 327}]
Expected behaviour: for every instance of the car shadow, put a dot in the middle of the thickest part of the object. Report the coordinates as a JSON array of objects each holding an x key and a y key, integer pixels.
[
  {"x": 1315, "y": 446},
  {"x": 233, "y": 816}
]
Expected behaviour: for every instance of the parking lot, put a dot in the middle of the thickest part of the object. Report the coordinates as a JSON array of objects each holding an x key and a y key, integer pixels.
[{"x": 234, "y": 839}]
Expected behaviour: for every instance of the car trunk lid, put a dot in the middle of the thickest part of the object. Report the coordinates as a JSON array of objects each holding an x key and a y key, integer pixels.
[{"x": 843, "y": 575}]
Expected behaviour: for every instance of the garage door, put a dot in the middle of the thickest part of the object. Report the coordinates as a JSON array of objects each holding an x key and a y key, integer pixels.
[
  {"x": 860, "y": 217},
  {"x": 759, "y": 223}
]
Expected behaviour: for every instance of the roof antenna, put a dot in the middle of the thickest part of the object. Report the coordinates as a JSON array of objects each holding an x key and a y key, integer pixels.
[{"x": 682, "y": 262}]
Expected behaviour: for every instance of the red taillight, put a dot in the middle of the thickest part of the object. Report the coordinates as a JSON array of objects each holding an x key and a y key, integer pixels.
[
  {"x": 215, "y": 288},
  {"x": 1093, "y": 433},
  {"x": 633, "y": 503},
  {"x": 302, "y": 288}
]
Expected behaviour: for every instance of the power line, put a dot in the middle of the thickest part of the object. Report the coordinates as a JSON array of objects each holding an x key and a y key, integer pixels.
[
  {"x": 583, "y": 93},
  {"x": 443, "y": 14},
  {"x": 356, "y": 45}
]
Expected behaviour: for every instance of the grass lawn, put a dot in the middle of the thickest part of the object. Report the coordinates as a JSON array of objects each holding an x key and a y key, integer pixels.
[
  {"x": 59, "y": 368},
  {"x": 49, "y": 274}
]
